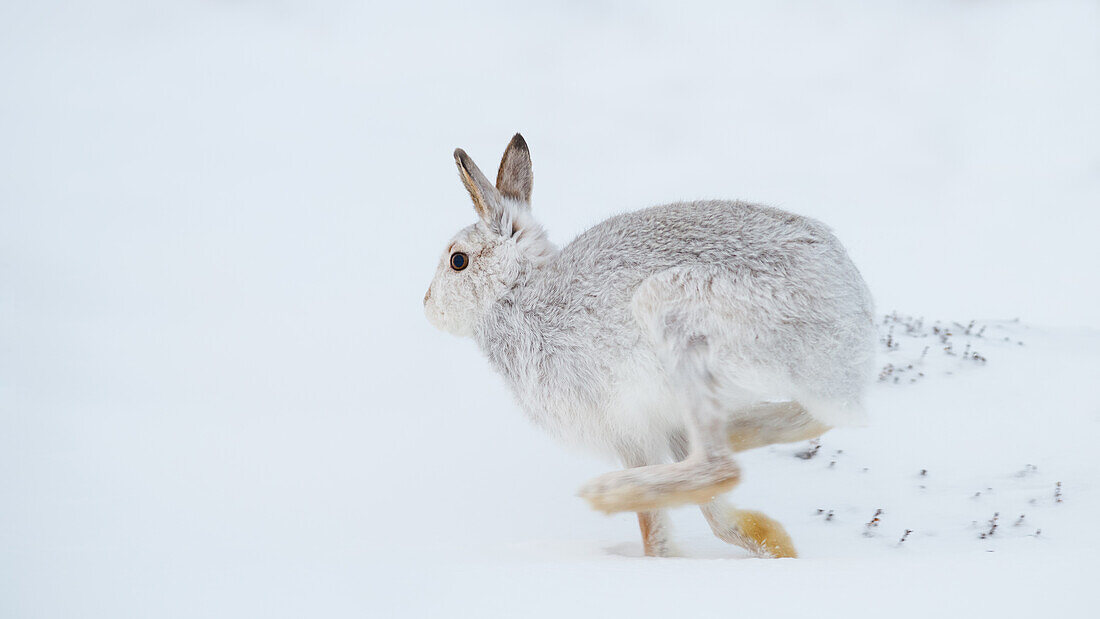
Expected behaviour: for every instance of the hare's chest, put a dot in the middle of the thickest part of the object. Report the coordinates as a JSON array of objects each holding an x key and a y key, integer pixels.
[
  {"x": 629, "y": 407},
  {"x": 641, "y": 408}
]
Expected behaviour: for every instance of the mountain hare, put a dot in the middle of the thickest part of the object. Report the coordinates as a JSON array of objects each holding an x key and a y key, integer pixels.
[{"x": 669, "y": 337}]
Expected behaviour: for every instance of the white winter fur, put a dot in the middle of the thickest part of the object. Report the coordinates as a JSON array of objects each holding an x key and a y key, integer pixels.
[{"x": 654, "y": 333}]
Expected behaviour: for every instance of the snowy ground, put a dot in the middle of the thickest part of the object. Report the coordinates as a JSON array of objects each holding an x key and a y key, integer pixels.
[
  {"x": 1002, "y": 428},
  {"x": 219, "y": 396}
]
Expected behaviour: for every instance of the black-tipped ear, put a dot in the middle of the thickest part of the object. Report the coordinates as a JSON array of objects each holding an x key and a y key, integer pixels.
[
  {"x": 515, "y": 179},
  {"x": 485, "y": 196}
]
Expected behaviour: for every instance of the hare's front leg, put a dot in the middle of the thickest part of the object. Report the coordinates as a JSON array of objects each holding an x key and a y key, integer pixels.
[
  {"x": 706, "y": 473},
  {"x": 709, "y": 469},
  {"x": 654, "y": 524},
  {"x": 655, "y": 533}
]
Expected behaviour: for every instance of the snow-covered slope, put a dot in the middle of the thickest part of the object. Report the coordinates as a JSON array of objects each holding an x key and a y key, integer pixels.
[{"x": 219, "y": 396}]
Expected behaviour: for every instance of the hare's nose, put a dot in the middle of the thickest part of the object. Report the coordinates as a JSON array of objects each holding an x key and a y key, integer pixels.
[{"x": 427, "y": 295}]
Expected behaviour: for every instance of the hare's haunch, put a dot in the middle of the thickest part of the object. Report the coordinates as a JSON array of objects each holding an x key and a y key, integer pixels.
[{"x": 669, "y": 337}]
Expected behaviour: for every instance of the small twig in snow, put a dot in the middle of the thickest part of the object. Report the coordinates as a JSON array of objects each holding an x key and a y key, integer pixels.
[
  {"x": 992, "y": 526},
  {"x": 873, "y": 523}
]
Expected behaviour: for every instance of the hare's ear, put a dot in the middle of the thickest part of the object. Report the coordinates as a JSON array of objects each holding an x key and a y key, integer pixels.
[
  {"x": 486, "y": 198},
  {"x": 515, "y": 180}
]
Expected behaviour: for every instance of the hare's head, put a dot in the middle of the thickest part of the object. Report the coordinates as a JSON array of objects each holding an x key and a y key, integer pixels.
[{"x": 485, "y": 260}]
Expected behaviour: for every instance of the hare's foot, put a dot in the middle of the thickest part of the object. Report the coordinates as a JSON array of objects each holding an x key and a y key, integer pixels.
[
  {"x": 655, "y": 538},
  {"x": 750, "y": 530},
  {"x": 662, "y": 485},
  {"x": 767, "y": 423}
]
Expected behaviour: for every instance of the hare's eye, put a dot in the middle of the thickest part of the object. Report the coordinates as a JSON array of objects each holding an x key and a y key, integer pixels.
[{"x": 459, "y": 261}]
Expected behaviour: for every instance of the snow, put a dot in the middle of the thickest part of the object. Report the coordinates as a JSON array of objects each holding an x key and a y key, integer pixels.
[{"x": 219, "y": 396}]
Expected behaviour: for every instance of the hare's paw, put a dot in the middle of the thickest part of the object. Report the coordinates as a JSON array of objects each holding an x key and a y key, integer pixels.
[
  {"x": 768, "y": 536},
  {"x": 664, "y": 485}
]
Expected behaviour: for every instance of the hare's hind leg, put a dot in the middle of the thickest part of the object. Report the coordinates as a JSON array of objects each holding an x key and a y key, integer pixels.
[
  {"x": 748, "y": 529},
  {"x": 680, "y": 330},
  {"x": 768, "y": 423}
]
